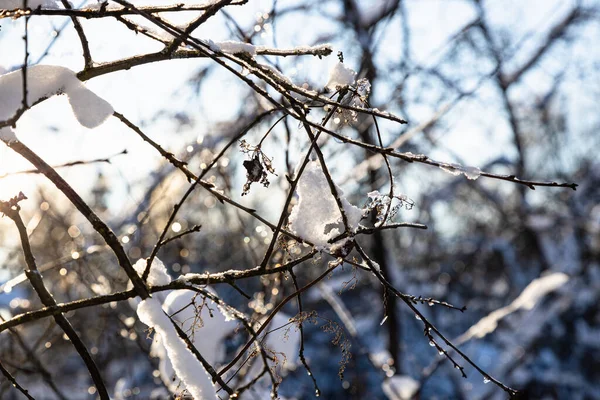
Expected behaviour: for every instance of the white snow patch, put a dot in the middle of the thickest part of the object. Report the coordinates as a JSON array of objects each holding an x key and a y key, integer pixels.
[
  {"x": 233, "y": 47},
  {"x": 209, "y": 328},
  {"x": 45, "y": 81},
  {"x": 309, "y": 49},
  {"x": 158, "y": 274},
  {"x": 400, "y": 387},
  {"x": 316, "y": 217},
  {"x": 537, "y": 289},
  {"x": 340, "y": 76},
  {"x": 187, "y": 367}
]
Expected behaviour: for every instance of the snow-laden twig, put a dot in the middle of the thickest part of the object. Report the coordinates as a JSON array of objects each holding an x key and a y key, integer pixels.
[
  {"x": 528, "y": 298},
  {"x": 187, "y": 367}
]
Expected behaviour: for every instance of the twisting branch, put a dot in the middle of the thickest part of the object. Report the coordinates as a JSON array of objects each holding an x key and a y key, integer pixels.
[
  {"x": 195, "y": 179},
  {"x": 87, "y": 57},
  {"x": 31, "y": 356},
  {"x": 100, "y": 227},
  {"x": 293, "y": 184},
  {"x": 211, "y": 371},
  {"x": 288, "y": 100},
  {"x": 11, "y": 210},
  {"x": 423, "y": 159}
]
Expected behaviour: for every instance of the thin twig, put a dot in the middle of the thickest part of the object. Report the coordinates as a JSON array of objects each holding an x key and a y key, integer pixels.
[
  {"x": 65, "y": 165},
  {"x": 14, "y": 382}
]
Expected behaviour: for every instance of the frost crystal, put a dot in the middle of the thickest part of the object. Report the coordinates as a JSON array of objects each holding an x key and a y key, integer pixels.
[
  {"x": 381, "y": 204},
  {"x": 454, "y": 169}
]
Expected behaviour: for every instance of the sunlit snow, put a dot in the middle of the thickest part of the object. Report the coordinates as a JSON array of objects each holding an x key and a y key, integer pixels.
[
  {"x": 45, "y": 81},
  {"x": 316, "y": 217},
  {"x": 187, "y": 367},
  {"x": 527, "y": 300}
]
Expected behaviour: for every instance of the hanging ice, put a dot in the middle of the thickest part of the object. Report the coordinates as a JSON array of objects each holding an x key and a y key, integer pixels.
[{"x": 471, "y": 173}]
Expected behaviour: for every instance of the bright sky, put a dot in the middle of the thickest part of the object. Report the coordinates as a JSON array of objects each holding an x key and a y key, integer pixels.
[{"x": 51, "y": 130}]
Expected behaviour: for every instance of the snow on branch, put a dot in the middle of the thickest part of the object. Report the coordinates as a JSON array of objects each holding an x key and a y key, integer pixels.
[
  {"x": 316, "y": 217},
  {"x": 186, "y": 366},
  {"x": 208, "y": 327},
  {"x": 530, "y": 296},
  {"x": 44, "y": 81}
]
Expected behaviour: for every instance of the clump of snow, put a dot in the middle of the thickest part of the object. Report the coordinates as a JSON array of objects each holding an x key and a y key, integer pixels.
[
  {"x": 233, "y": 47},
  {"x": 316, "y": 217},
  {"x": 187, "y": 367},
  {"x": 471, "y": 173},
  {"x": 44, "y": 81},
  {"x": 340, "y": 76},
  {"x": 194, "y": 314},
  {"x": 32, "y": 4},
  {"x": 537, "y": 289},
  {"x": 158, "y": 274},
  {"x": 400, "y": 387}
]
